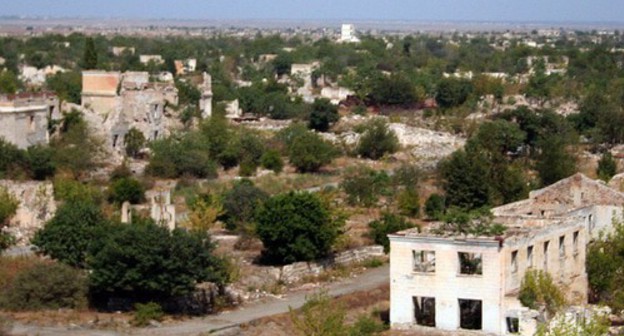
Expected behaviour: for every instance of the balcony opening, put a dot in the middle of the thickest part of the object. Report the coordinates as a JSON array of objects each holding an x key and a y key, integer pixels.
[
  {"x": 513, "y": 325},
  {"x": 424, "y": 311},
  {"x": 470, "y": 314}
]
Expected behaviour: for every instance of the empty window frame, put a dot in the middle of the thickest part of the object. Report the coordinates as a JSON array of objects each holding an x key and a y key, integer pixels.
[
  {"x": 530, "y": 256},
  {"x": 31, "y": 123},
  {"x": 470, "y": 314},
  {"x": 575, "y": 238},
  {"x": 513, "y": 325},
  {"x": 546, "y": 247},
  {"x": 470, "y": 263},
  {"x": 514, "y": 261},
  {"x": 424, "y": 311},
  {"x": 562, "y": 247},
  {"x": 423, "y": 261}
]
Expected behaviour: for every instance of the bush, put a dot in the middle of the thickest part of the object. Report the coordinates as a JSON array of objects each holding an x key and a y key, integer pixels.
[
  {"x": 47, "y": 286},
  {"x": 308, "y": 152},
  {"x": 538, "y": 288},
  {"x": 435, "y": 206},
  {"x": 320, "y": 316},
  {"x": 409, "y": 202},
  {"x": 144, "y": 313},
  {"x": 134, "y": 141},
  {"x": 364, "y": 185},
  {"x": 297, "y": 227},
  {"x": 389, "y": 223},
  {"x": 40, "y": 162},
  {"x": 272, "y": 160},
  {"x": 126, "y": 189},
  {"x": 377, "y": 140},
  {"x": 323, "y": 115},
  {"x": 607, "y": 167},
  {"x": 69, "y": 234},
  {"x": 143, "y": 261},
  {"x": 8, "y": 207},
  {"x": 240, "y": 204}
]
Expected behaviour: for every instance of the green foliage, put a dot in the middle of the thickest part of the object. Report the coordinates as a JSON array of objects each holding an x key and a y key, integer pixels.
[
  {"x": 173, "y": 157},
  {"x": 408, "y": 202},
  {"x": 366, "y": 326},
  {"x": 272, "y": 160},
  {"x": 395, "y": 90},
  {"x": 71, "y": 191},
  {"x": 11, "y": 159},
  {"x": 476, "y": 222},
  {"x": 319, "y": 316},
  {"x": 308, "y": 152},
  {"x": 126, "y": 189},
  {"x": 134, "y": 141},
  {"x": 297, "y": 227},
  {"x": 452, "y": 92},
  {"x": 47, "y": 286},
  {"x": 240, "y": 204},
  {"x": 77, "y": 150},
  {"x": 435, "y": 206},
  {"x": 387, "y": 224},
  {"x": 364, "y": 185},
  {"x": 144, "y": 261},
  {"x": 607, "y": 167},
  {"x": 465, "y": 179},
  {"x": 146, "y": 312},
  {"x": 537, "y": 288},
  {"x": 323, "y": 114},
  {"x": 9, "y": 83},
  {"x": 69, "y": 234},
  {"x": 40, "y": 160},
  {"x": 594, "y": 325},
  {"x": 377, "y": 140},
  {"x": 67, "y": 85},
  {"x": 555, "y": 162},
  {"x": 282, "y": 64},
  {"x": 8, "y": 208},
  {"x": 188, "y": 94},
  {"x": 90, "y": 56}
]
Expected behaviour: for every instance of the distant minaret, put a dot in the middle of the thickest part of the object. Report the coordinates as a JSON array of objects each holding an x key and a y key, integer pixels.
[{"x": 205, "y": 103}]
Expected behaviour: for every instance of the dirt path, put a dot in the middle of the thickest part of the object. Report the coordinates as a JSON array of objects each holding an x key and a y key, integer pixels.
[{"x": 204, "y": 325}]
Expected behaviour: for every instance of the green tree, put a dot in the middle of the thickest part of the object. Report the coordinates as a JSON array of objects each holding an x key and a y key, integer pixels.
[
  {"x": 272, "y": 160},
  {"x": 408, "y": 202},
  {"x": 296, "y": 227},
  {"x": 308, "y": 152},
  {"x": 395, "y": 90},
  {"x": 41, "y": 162},
  {"x": 67, "y": 85},
  {"x": 364, "y": 185},
  {"x": 377, "y": 140},
  {"x": 387, "y": 224},
  {"x": 465, "y": 179},
  {"x": 323, "y": 114},
  {"x": 538, "y": 288},
  {"x": 555, "y": 162},
  {"x": 134, "y": 141},
  {"x": 77, "y": 150},
  {"x": 126, "y": 189},
  {"x": 452, "y": 92},
  {"x": 8, "y": 208},
  {"x": 435, "y": 206},
  {"x": 9, "y": 83},
  {"x": 240, "y": 205},
  {"x": 144, "y": 261},
  {"x": 90, "y": 56},
  {"x": 607, "y": 167},
  {"x": 320, "y": 316},
  {"x": 605, "y": 259},
  {"x": 69, "y": 234}
]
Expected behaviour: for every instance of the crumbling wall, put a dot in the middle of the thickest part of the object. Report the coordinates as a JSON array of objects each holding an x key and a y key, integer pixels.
[{"x": 36, "y": 207}]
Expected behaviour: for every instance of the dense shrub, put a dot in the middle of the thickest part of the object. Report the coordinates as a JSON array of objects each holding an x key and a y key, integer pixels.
[
  {"x": 388, "y": 223},
  {"x": 323, "y": 114},
  {"x": 147, "y": 312},
  {"x": 240, "y": 205},
  {"x": 296, "y": 227},
  {"x": 308, "y": 152},
  {"x": 408, "y": 202},
  {"x": 607, "y": 167},
  {"x": 134, "y": 142},
  {"x": 435, "y": 206},
  {"x": 272, "y": 160},
  {"x": 47, "y": 286},
  {"x": 377, "y": 140},
  {"x": 364, "y": 185},
  {"x": 537, "y": 288},
  {"x": 8, "y": 207},
  {"x": 126, "y": 189}
]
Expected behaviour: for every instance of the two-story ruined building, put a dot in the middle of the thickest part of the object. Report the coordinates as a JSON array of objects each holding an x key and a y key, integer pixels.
[
  {"x": 453, "y": 281},
  {"x": 24, "y": 118}
]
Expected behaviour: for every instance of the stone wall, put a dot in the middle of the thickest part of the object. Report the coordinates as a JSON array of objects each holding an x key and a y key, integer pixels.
[
  {"x": 297, "y": 271},
  {"x": 36, "y": 207}
]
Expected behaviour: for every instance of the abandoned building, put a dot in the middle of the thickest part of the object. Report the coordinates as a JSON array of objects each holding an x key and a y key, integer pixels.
[
  {"x": 128, "y": 100},
  {"x": 452, "y": 281},
  {"x": 25, "y": 118}
]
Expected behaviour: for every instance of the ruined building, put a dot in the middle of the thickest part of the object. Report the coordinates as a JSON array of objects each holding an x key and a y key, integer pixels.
[
  {"x": 451, "y": 281},
  {"x": 24, "y": 118},
  {"x": 120, "y": 102},
  {"x": 205, "y": 102}
]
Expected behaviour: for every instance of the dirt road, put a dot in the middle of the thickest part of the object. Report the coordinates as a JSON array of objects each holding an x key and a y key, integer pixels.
[{"x": 204, "y": 325}]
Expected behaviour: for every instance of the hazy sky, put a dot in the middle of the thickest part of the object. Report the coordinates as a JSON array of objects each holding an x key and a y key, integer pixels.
[{"x": 429, "y": 10}]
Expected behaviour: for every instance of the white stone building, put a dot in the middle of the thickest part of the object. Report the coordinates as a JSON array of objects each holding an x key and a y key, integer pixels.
[
  {"x": 24, "y": 118},
  {"x": 450, "y": 281},
  {"x": 348, "y": 34}
]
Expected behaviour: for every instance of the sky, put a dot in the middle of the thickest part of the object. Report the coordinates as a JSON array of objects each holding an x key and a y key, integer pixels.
[{"x": 594, "y": 11}]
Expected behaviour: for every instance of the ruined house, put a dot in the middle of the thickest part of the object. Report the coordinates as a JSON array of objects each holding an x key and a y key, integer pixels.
[
  {"x": 452, "y": 281},
  {"x": 25, "y": 118},
  {"x": 120, "y": 102}
]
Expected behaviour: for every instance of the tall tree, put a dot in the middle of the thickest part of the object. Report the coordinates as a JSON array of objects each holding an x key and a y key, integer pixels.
[{"x": 90, "y": 57}]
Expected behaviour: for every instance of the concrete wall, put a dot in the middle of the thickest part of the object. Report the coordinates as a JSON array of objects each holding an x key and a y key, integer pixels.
[{"x": 446, "y": 285}]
